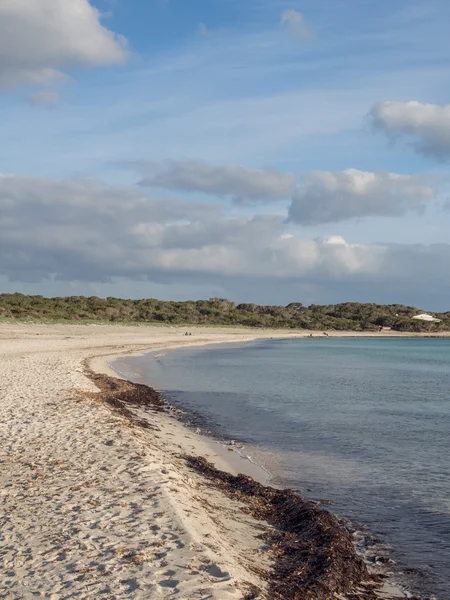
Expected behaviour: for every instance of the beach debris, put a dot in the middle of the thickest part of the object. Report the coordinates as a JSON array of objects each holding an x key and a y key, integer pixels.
[{"x": 122, "y": 396}]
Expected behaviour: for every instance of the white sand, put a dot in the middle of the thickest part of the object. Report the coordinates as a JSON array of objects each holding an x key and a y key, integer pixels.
[{"x": 91, "y": 507}]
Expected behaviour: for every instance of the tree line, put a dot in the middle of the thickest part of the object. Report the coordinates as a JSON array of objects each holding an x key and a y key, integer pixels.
[{"x": 352, "y": 316}]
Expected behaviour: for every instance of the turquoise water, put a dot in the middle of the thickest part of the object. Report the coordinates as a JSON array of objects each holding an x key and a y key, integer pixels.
[{"x": 364, "y": 423}]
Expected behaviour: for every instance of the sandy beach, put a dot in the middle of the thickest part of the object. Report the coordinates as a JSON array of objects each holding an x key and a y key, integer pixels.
[{"x": 94, "y": 504}]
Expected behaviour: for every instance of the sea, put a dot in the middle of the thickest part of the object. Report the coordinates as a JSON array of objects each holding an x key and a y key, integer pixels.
[{"x": 360, "y": 424}]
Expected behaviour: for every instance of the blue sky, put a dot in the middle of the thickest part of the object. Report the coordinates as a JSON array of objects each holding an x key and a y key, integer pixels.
[{"x": 198, "y": 105}]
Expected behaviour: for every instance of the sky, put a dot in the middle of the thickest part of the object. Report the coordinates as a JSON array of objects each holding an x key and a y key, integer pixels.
[{"x": 266, "y": 151}]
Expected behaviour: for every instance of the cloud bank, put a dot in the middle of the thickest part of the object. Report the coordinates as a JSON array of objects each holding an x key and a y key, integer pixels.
[
  {"x": 427, "y": 124},
  {"x": 333, "y": 196},
  {"x": 321, "y": 197},
  {"x": 38, "y": 38},
  {"x": 87, "y": 231},
  {"x": 240, "y": 183}
]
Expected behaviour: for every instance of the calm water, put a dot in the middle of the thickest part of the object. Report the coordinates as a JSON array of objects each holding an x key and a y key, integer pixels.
[{"x": 364, "y": 423}]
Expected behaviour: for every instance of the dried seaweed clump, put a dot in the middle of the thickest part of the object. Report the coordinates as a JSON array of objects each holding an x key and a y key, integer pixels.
[{"x": 120, "y": 394}]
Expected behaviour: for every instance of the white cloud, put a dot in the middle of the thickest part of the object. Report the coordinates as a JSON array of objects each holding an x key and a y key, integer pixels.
[
  {"x": 295, "y": 22},
  {"x": 243, "y": 184},
  {"x": 329, "y": 197},
  {"x": 427, "y": 124},
  {"x": 40, "y": 37}
]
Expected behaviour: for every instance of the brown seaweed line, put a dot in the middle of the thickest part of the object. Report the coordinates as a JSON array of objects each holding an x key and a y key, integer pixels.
[{"x": 314, "y": 554}]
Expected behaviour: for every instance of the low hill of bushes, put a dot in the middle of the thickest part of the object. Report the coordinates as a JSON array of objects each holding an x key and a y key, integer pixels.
[{"x": 218, "y": 311}]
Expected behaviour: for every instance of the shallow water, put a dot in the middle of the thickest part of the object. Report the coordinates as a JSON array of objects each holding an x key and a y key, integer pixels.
[{"x": 364, "y": 423}]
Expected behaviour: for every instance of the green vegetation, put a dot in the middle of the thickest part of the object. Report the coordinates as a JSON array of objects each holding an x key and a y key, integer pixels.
[{"x": 217, "y": 311}]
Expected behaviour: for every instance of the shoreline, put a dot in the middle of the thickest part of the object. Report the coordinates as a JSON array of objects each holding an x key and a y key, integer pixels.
[
  {"x": 382, "y": 586},
  {"x": 292, "y": 526},
  {"x": 206, "y": 443},
  {"x": 94, "y": 502}
]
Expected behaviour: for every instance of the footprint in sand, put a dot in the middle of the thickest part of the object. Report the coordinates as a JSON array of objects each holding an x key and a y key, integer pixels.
[
  {"x": 216, "y": 572},
  {"x": 169, "y": 583},
  {"x": 169, "y": 574},
  {"x": 131, "y": 585}
]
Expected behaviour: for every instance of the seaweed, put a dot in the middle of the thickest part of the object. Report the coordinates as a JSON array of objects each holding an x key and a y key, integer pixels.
[
  {"x": 119, "y": 394},
  {"x": 314, "y": 554}
]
